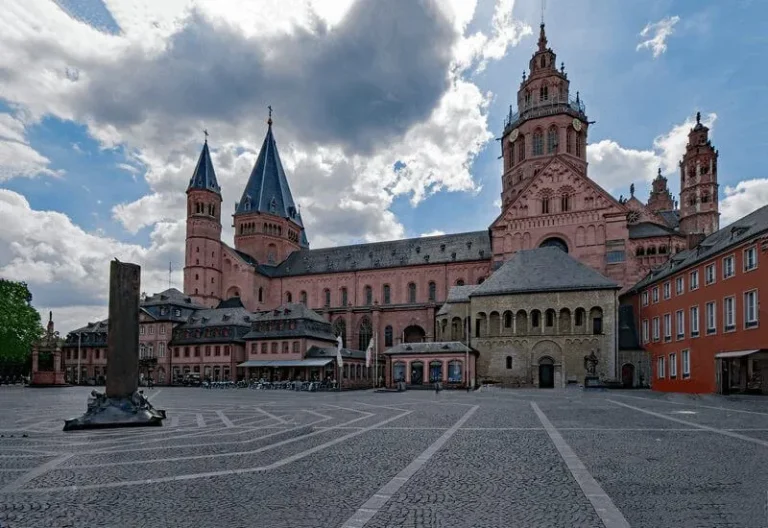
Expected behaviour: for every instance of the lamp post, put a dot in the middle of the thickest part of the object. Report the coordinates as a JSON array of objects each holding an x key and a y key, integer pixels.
[{"x": 79, "y": 340}]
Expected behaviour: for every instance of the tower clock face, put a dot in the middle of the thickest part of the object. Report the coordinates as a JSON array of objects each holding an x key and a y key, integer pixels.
[
  {"x": 513, "y": 135},
  {"x": 576, "y": 125}
]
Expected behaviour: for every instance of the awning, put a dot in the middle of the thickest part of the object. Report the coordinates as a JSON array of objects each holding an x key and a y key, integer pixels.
[
  {"x": 736, "y": 354},
  {"x": 287, "y": 363}
]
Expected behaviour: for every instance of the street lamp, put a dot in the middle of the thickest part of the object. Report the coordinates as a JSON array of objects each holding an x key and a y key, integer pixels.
[{"x": 79, "y": 340}]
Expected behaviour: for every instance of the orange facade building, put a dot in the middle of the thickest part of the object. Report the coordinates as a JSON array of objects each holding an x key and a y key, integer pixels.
[{"x": 700, "y": 316}]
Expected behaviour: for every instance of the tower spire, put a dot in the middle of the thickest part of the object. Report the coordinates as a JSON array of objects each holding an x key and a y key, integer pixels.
[{"x": 542, "y": 33}]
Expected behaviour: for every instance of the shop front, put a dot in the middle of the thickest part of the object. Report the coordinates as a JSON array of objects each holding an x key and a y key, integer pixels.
[{"x": 742, "y": 372}]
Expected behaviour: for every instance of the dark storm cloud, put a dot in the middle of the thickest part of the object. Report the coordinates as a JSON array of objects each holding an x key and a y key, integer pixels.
[{"x": 381, "y": 69}]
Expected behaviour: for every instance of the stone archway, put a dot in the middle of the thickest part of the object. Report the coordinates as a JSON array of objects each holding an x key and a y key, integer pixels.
[
  {"x": 414, "y": 334},
  {"x": 556, "y": 242},
  {"x": 547, "y": 359}
]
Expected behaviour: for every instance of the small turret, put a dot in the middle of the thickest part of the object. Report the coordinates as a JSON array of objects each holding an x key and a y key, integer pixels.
[{"x": 699, "y": 203}]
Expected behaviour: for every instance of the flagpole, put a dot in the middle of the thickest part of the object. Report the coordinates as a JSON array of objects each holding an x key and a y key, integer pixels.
[{"x": 376, "y": 362}]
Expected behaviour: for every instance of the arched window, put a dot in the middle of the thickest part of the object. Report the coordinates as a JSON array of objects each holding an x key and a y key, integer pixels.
[
  {"x": 344, "y": 297},
  {"x": 411, "y": 293},
  {"x": 543, "y": 91},
  {"x": 365, "y": 332},
  {"x": 538, "y": 142},
  {"x": 388, "y": 336},
  {"x": 578, "y": 145},
  {"x": 550, "y": 317},
  {"x": 508, "y": 319},
  {"x": 662, "y": 250},
  {"x": 340, "y": 329},
  {"x": 596, "y": 314},
  {"x": 565, "y": 203},
  {"x": 455, "y": 371},
  {"x": 432, "y": 291},
  {"x": 460, "y": 282},
  {"x": 640, "y": 251},
  {"x": 509, "y": 362},
  {"x": 398, "y": 371},
  {"x": 521, "y": 148},
  {"x": 552, "y": 140},
  {"x": 326, "y": 297},
  {"x": 261, "y": 294},
  {"x": 303, "y": 298},
  {"x": 288, "y": 297},
  {"x": 545, "y": 205},
  {"x": 368, "y": 291},
  {"x": 387, "y": 294}
]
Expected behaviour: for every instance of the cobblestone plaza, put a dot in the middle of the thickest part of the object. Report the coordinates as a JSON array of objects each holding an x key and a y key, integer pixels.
[{"x": 493, "y": 458}]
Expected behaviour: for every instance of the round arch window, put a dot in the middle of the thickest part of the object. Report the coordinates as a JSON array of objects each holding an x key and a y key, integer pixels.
[{"x": 555, "y": 242}]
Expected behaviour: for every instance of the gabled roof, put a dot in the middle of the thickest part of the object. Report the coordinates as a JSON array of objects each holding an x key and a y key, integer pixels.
[
  {"x": 204, "y": 176},
  {"x": 219, "y": 317},
  {"x": 542, "y": 269},
  {"x": 171, "y": 296},
  {"x": 289, "y": 311},
  {"x": 460, "y": 247},
  {"x": 267, "y": 190},
  {"x": 752, "y": 225},
  {"x": 330, "y": 352}
]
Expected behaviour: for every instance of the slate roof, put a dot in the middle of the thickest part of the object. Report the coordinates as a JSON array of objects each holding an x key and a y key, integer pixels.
[
  {"x": 649, "y": 229},
  {"x": 672, "y": 218},
  {"x": 330, "y": 352},
  {"x": 267, "y": 190},
  {"x": 92, "y": 334},
  {"x": 459, "y": 247},
  {"x": 628, "y": 338},
  {"x": 170, "y": 296},
  {"x": 460, "y": 293},
  {"x": 214, "y": 325},
  {"x": 290, "y": 311},
  {"x": 437, "y": 347},
  {"x": 290, "y": 321},
  {"x": 747, "y": 227},
  {"x": 542, "y": 269},
  {"x": 219, "y": 317},
  {"x": 204, "y": 176}
]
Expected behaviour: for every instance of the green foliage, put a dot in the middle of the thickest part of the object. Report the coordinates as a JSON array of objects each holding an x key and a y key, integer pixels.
[{"x": 19, "y": 322}]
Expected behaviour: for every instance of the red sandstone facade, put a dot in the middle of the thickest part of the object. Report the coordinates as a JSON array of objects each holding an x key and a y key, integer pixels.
[{"x": 548, "y": 199}]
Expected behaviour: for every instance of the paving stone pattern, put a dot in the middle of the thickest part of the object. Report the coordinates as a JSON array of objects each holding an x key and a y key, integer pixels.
[{"x": 283, "y": 459}]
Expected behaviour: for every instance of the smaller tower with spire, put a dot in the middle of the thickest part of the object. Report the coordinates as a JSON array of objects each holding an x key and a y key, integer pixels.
[
  {"x": 660, "y": 198},
  {"x": 699, "y": 204},
  {"x": 267, "y": 221},
  {"x": 202, "y": 266}
]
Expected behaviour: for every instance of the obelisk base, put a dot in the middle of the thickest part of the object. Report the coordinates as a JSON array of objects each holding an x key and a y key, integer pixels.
[{"x": 104, "y": 413}]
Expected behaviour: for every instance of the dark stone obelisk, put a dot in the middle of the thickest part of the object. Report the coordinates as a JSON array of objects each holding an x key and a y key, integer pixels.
[
  {"x": 123, "y": 333},
  {"x": 122, "y": 405}
]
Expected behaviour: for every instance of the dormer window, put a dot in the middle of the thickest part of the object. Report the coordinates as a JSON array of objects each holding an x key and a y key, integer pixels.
[{"x": 272, "y": 205}]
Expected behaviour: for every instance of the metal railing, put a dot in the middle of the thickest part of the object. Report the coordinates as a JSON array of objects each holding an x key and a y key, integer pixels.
[{"x": 543, "y": 108}]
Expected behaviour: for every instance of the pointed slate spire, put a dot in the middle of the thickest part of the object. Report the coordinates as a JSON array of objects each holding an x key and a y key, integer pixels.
[
  {"x": 204, "y": 176},
  {"x": 267, "y": 190}
]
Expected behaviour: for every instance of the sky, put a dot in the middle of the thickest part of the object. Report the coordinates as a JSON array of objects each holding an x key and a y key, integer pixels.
[{"x": 386, "y": 115}]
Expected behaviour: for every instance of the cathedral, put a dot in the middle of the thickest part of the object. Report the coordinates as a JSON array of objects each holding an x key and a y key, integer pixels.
[{"x": 553, "y": 219}]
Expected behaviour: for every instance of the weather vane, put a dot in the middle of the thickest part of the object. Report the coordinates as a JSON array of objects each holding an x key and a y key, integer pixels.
[
  {"x": 205, "y": 131},
  {"x": 269, "y": 121},
  {"x": 543, "y": 7}
]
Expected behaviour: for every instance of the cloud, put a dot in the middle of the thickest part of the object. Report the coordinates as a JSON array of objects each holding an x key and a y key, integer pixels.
[
  {"x": 434, "y": 232},
  {"x": 66, "y": 266},
  {"x": 747, "y": 196},
  {"x": 17, "y": 157},
  {"x": 656, "y": 35},
  {"x": 615, "y": 167}
]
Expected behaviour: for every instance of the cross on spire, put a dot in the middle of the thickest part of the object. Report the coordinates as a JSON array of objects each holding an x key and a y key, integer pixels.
[
  {"x": 205, "y": 131},
  {"x": 543, "y": 7},
  {"x": 269, "y": 121}
]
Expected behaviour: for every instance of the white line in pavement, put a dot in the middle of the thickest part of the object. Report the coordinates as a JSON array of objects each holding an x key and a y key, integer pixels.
[
  {"x": 227, "y": 422},
  {"x": 601, "y": 502},
  {"x": 380, "y": 498},
  {"x": 154, "y": 394},
  {"x": 276, "y": 418},
  {"x": 200, "y": 419},
  {"x": 723, "y": 432},
  {"x": 691, "y": 404},
  {"x": 39, "y": 470},
  {"x": 225, "y": 472}
]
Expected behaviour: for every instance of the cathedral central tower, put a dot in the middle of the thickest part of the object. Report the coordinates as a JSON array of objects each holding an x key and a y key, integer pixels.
[{"x": 548, "y": 122}]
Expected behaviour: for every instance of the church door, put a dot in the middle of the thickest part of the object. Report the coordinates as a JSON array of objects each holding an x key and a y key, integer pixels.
[
  {"x": 546, "y": 376},
  {"x": 628, "y": 375}
]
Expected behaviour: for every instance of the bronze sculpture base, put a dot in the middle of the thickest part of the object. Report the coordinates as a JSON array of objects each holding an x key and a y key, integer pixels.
[{"x": 104, "y": 412}]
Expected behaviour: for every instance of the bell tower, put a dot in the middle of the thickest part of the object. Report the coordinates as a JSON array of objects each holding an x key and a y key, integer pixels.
[
  {"x": 548, "y": 122},
  {"x": 699, "y": 204},
  {"x": 202, "y": 260}
]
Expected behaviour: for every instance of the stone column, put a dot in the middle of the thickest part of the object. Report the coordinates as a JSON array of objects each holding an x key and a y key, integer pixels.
[
  {"x": 35, "y": 353},
  {"x": 57, "y": 359},
  {"x": 123, "y": 335}
]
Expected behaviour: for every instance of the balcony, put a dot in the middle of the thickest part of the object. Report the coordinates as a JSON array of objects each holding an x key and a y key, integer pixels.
[{"x": 556, "y": 105}]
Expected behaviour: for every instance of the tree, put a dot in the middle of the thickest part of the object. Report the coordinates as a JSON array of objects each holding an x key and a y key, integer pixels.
[{"x": 19, "y": 322}]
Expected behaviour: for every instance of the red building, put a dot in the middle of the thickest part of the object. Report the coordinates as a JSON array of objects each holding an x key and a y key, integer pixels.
[{"x": 699, "y": 315}]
